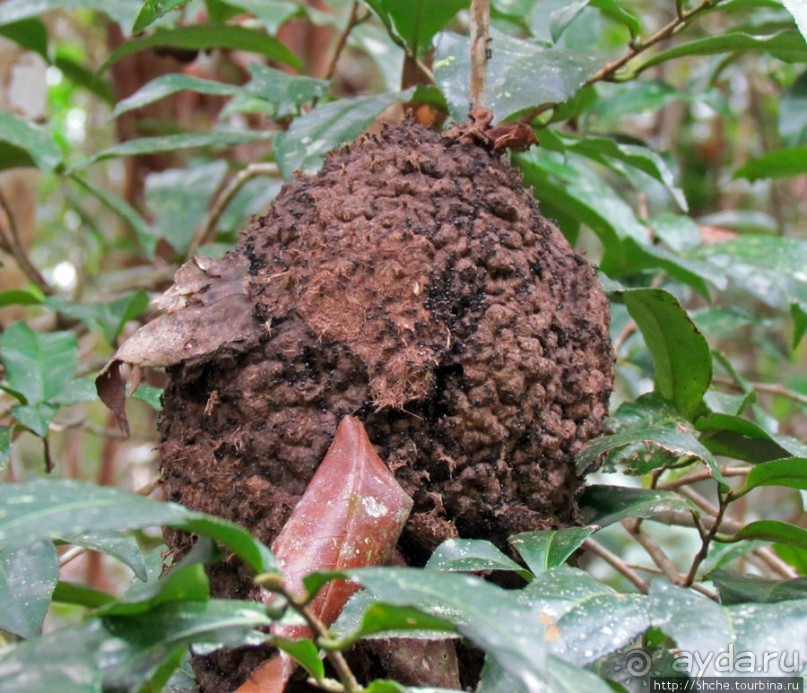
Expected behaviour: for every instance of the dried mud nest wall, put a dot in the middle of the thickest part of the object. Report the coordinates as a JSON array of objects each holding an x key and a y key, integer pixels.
[{"x": 412, "y": 283}]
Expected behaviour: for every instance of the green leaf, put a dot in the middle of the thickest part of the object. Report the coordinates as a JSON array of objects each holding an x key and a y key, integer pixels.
[
  {"x": 799, "y": 11},
  {"x": 272, "y": 13},
  {"x": 762, "y": 267},
  {"x": 682, "y": 359},
  {"x": 120, "y": 207},
  {"x": 31, "y": 34},
  {"x": 38, "y": 366},
  {"x": 785, "y": 45},
  {"x": 650, "y": 434},
  {"x": 793, "y": 113},
  {"x": 34, "y": 142},
  {"x": 458, "y": 555},
  {"x": 125, "y": 549},
  {"x": 734, "y": 436},
  {"x": 80, "y": 595},
  {"x": 21, "y": 297},
  {"x": 604, "y": 505},
  {"x": 363, "y": 617},
  {"x": 107, "y": 318},
  {"x": 488, "y": 616},
  {"x": 52, "y": 508},
  {"x": 309, "y": 137},
  {"x": 5, "y": 446},
  {"x": 791, "y": 472},
  {"x": 85, "y": 78},
  {"x": 303, "y": 651},
  {"x": 417, "y": 22},
  {"x": 521, "y": 75},
  {"x": 179, "y": 198},
  {"x": 545, "y": 549},
  {"x": 28, "y": 576},
  {"x": 771, "y": 530},
  {"x": 777, "y": 164},
  {"x": 36, "y": 417},
  {"x": 165, "y": 85},
  {"x": 678, "y": 232},
  {"x": 171, "y": 143},
  {"x": 735, "y": 588},
  {"x": 205, "y": 36},
  {"x": 184, "y": 583},
  {"x": 287, "y": 93},
  {"x": 152, "y": 10},
  {"x": 122, "y": 11},
  {"x": 585, "y": 618}
]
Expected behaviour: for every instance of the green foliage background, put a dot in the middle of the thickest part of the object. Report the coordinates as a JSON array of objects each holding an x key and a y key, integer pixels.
[{"x": 673, "y": 152}]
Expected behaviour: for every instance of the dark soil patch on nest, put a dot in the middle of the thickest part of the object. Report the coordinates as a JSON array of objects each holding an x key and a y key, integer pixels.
[{"x": 414, "y": 284}]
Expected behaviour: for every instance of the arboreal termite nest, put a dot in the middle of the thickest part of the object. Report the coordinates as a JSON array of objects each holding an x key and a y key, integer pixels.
[{"x": 414, "y": 284}]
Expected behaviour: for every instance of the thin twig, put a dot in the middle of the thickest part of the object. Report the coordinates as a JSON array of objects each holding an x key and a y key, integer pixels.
[
  {"x": 609, "y": 70},
  {"x": 702, "y": 475},
  {"x": 767, "y": 388},
  {"x": 480, "y": 33},
  {"x": 353, "y": 22},
  {"x": 706, "y": 539},
  {"x": 10, "y": 242},
  {"x": 654, "y": 551},
  {"x": 658, "y": 571},
  {"x": 206, "y": 231},
  {"x": 616, "y": 563}
]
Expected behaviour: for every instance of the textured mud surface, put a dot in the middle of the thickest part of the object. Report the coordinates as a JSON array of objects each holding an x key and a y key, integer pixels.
[{"x": 414, "y": 284}]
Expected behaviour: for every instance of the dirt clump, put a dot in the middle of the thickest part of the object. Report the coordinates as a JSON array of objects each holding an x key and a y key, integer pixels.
[{"x": 414, "y": 284}]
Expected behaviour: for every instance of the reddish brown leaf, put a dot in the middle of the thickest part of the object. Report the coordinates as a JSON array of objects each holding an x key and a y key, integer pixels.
[{"x": 350, "y": 516}]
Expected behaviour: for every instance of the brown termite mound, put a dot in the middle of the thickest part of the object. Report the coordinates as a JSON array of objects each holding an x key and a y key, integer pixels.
[{"x": 414, "y": 284}]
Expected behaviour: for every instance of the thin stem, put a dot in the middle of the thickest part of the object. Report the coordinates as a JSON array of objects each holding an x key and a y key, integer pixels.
[
  {"x": 654, "y": 551},
  {"x": 205, "y": 233},
  {"x": 480, "y": 34},
  {"x": 10, "y": 242},
  {"x": 706, "y": 539},
  {"x": 609, "y": 70},
  {"x": 767, "y": 388},
  {"x": 617, "y": 564},
  {"x": 703, "y": 475},
  {"x": 354, "y": 21}
]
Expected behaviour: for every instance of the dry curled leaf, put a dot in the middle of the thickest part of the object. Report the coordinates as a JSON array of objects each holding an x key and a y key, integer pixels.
[{"x": 350, "y": 516}]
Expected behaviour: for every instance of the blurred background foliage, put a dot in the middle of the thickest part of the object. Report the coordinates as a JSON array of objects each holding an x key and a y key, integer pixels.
[{"x": 673, "y": 154}]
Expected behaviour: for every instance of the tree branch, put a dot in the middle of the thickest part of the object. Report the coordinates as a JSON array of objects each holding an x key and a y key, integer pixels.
[
  {"x": 480, "y": 33},
  {"x": 616, "y": 563}
]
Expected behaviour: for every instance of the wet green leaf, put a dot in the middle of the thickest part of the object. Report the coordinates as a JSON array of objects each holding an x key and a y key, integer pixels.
[
  {"x": 28, "y": 576},
  {"x": 123, "y": 548},
  {"x": 734, "y": 436},
  {"x": 107, "y": 318},
  {"x": 416, "y": 22},
  {"x": 521, "y": 74},
  {"x": 205, "y": 36},
  {"x": 457, "y": 555},
  {"x": 735, "y": 588},
  {"x": 38, "y": 366},
  {"x": 80, "y": 595},
  {"x": 53, "y": 508},
  {"x": 303, "y": 651},
  {"x": 545, "y": 549},
  {"x": 682, "y": 359},
  {"x": 165, "y": 85},
  {"x": 33, "y": 145},
  {"x": 604, "y": 505},
  {"x": 488, "y": 616},
  {"x": 152, "y": 10},
  {"x": 272, "y": 13},
  {"x": 311, "y": 136}
]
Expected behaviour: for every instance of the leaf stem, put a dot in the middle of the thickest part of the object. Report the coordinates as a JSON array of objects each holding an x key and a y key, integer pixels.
[
  {"x": 480, "y": 35},
  {"x": 654, "y": 551},
  {"x": 768, "y": 388},
  {"x": 706, "y": 539}
]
